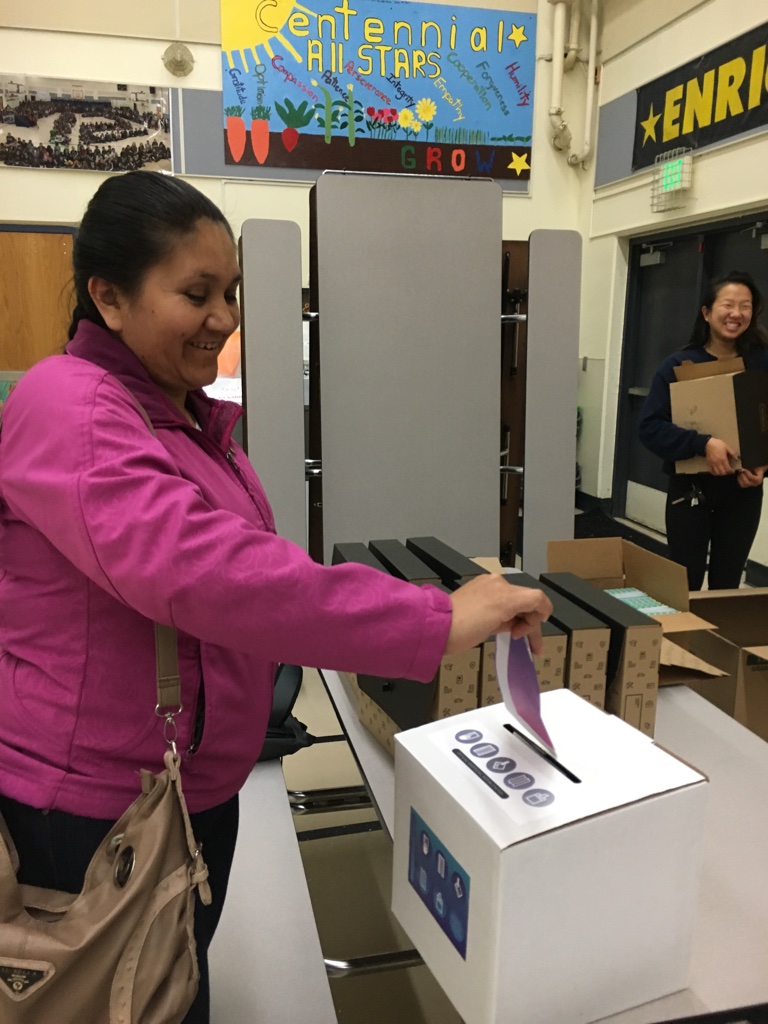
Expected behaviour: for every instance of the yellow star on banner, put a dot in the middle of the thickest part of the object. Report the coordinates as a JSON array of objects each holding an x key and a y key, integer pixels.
[
  {"x": 519, "y": 163},
  {"x": 650, "y": 125},
  {"x": 517, "y": 35}
]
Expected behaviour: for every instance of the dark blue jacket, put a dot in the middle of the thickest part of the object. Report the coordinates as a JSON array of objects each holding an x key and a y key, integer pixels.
[{"x": 657, "y": 431}]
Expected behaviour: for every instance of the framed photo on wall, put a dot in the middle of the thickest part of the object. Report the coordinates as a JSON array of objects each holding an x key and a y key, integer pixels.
[{"x": 60, "y": 124}]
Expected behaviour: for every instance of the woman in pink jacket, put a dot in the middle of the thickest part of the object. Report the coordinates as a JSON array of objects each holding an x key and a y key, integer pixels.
[{"x": 107, "y": 527}]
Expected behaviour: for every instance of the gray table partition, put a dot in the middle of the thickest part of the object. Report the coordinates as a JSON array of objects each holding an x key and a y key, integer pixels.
[
  {"x": 549, "y": 480},
  {"x": 408, "y": 301},
  {"x": 273, "y": 367}
]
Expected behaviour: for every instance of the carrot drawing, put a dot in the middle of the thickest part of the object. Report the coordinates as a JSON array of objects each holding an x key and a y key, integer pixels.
[
  {"x": 260, "y": 132},
  {"x": 235, "y": 132}
]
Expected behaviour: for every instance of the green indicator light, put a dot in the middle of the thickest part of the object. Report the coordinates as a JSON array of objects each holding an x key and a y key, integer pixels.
[{"x": 673, "y": 176}]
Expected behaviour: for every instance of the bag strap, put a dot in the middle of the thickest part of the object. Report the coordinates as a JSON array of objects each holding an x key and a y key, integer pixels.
[
  {"x": 166, "y": 646},
  {"x": 167, "y": 661}
]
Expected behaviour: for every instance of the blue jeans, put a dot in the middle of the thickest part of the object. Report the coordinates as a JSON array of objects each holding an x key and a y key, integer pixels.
[{"x": 55, "y": 849}]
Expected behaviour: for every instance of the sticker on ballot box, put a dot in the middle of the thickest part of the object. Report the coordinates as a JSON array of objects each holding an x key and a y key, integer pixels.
[{"x": 440, "y": 881}]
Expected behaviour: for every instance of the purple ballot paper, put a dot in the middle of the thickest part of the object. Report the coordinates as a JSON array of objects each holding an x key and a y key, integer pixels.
[{"x": 519, "y": 687}]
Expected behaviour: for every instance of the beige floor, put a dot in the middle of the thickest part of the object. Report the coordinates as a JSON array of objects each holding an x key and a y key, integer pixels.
[{"x": 349, "y": 879}]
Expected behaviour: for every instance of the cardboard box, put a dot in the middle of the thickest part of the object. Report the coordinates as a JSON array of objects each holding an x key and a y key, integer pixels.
[
  {"x": 633, "y": 651},
  {"x": 451, "y": 566},
  {"x": 697, "y": 671},
  {"x": 356, "y": 552},
  {"x": 738, "y": 646},
  {"x": 586, "y": 662},
  {"x": 535, "y": 898},
  {"x": 731, "y": 406},
  {"x": 388, "y": 705},
  {"x": 688, "y": 370},
  {"x": 377, "y": 722},
  {"x": 550, "y": 665},
  {"x": 609, "y": 562},
  {"x": 401, "y": 562}
]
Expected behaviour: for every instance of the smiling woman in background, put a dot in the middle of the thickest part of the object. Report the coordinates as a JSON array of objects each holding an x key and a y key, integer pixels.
[{"x": 717, "y": 511}]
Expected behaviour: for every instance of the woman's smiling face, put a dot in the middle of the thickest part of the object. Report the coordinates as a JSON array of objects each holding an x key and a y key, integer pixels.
[
  {"x": 184, "y": 311},
  {"x": 730, "y": 314}
]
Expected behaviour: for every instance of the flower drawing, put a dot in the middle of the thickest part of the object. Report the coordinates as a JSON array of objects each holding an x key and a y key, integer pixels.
[{"x": 425, "y": 111}]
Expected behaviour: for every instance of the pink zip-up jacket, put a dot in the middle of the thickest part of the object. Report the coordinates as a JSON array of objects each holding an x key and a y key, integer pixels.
[{"x": 104, "y": 529}]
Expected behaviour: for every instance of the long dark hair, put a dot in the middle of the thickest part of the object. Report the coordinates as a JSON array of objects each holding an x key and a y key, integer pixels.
[
  {"x": 755, "y": 336},
  {"x": 130, "y": 225}
]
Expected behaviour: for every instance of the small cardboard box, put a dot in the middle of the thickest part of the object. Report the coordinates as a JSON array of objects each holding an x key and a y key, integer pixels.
[
  {"x": 550, "y": 665},
  {"x": 731, "y": 406},
  {"x": 388, "y": 705},
  {"x": 534, "y": 897},
  {"x": 356, "y": 552},
  {"x": 609, "y": 562},
  {"x": 410, "y": 703},
  {"x": 738, "y": 646},
  {"x": 451, "y": 566},
  {"x": 401, "y": 562},
  {"x": 697, "y": 671},
  {"x": 586, "y": 662},
  {"x": 633, "y": 651}
]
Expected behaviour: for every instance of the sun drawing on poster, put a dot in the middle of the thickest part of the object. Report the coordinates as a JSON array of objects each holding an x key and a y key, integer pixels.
[{"x": 245, "y": 27}]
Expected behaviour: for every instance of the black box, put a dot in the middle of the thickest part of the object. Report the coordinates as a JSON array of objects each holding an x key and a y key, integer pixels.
[
  {"x": 452, "y": 567},
  {"x": 401, "y": 562},
  {"x": 356, "y": 552}
]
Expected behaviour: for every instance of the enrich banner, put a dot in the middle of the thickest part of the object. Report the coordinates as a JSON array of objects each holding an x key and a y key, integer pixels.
[
  {"x": 714, "y": 97},
  {"x": 383, "y": 86}
]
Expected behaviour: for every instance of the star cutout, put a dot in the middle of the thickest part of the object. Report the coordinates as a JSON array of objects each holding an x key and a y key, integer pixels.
[
  {"x": 519, "y": 163},
  {"x": 517, "y": 35},
  {"x": 650, "y": 126}
]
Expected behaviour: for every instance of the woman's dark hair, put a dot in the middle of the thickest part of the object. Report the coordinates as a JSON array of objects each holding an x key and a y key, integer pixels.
[
  {"x": 131, "y": 224},
  {"x": 754, "y": 337}
]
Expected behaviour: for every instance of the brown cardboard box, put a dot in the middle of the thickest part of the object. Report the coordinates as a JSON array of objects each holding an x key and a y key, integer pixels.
[
  {"x": 609, "y": 562},
  {"x": 377, "y": 722},
  {"x": 586, "y": 659},
  {"x": 633, "y": 652},
  {"x": 550, "y": 665},
  {"x": 698, "y": 671},
  {"x": 693, "y": 371},
  {"x": 388, "y": 705},
  {"x": 731, "y": 406},
  {"x": 739, "y": 646}
]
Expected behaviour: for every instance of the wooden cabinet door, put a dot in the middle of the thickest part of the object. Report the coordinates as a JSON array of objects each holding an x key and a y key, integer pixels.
[{"x": 35, "y": 295}]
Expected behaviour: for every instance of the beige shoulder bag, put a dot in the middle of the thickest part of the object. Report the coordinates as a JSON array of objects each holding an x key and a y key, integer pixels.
[{"x": 122, "y": 951}]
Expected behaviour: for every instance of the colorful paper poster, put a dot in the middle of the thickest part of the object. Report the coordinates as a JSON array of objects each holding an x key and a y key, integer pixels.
[
  {"x": 383, "y": 86},
  {"x": 519, "y": 687}
]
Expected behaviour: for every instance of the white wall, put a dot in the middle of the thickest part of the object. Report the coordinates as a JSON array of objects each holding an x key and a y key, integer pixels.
[{"x": 644, "y": 39}]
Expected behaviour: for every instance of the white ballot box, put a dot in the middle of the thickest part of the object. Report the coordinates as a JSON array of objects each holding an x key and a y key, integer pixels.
[{"x": 542, "y": 890}]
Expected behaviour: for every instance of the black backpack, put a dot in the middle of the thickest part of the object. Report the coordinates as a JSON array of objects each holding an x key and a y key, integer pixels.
[{"x": 285, "y": 733}]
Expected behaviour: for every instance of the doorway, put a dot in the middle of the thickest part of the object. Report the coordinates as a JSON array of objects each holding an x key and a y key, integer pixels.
[{"x": 667, "y": 277}]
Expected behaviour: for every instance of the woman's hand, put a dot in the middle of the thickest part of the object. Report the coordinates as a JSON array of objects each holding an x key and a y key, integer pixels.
[
  {"x": 719, "y": 456},
  {"x": 751, "y": 477},
  {"x": 488, "y": 604}
]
